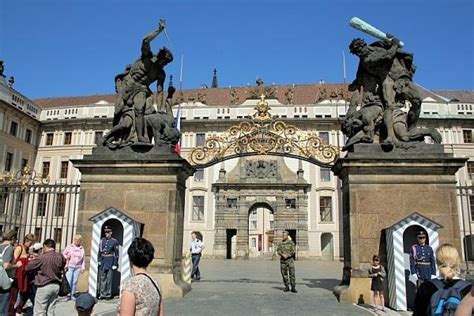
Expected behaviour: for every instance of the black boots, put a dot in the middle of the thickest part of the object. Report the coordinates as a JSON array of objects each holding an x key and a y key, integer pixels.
[
  {"x": 293, "y": 289},
  {"x": 287, "y": 288}
]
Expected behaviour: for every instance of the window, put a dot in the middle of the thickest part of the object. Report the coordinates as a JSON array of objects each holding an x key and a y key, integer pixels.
[
  {"x": 253, "y": 224},
  {"x": 45, "y": 172},
  {"x": 24, "y": 163},
  {"x": 28, "y": 136},
  {"x": 325, "y": 208},
  {"x": 58, "y": 235},
  {"x": 8, "y": 161},
  {"x": 199, "y": 175},
  {"x": 290, "y": 203},
  {"x": 38, "y": 233},
  {"x": 13, "y": 128},
  {"x": 272, "y": 224},
  {"x": 42, "y": 201},
  {"x": 325, "y": 174},
  {"x": 253, "y": 212},
  {"x": 98, "y": 136},
  {"x": 471, "y": 205},
  {"x": 254, "y": 242},
  {"x": 3, "y": 199},
  {"x": 324, "y": 137},
  {"x": 67, "y": 138},
  {"x": 200, "y": 139},
  {"x": 49, "y": 139},
  {"x": 467, "y": 136},
  {"x": 232, "y": 203},
  {"x": 470, "y": 169},
  {"x": 64, "y": 169},
  {"x": 198, "y": 208},
  {"x": 60, "y": 205}
]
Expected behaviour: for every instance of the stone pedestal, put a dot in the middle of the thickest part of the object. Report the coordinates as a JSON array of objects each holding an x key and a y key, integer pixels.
[
  {"x": 380, "y": 188},
  {"x": 150, "y": 186}
]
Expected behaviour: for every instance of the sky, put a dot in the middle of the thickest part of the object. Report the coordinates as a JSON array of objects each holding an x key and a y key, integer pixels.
[{"x": 57, "y": 48}]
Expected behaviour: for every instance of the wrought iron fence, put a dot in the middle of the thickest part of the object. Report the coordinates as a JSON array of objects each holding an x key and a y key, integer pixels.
[
  {"x": 466, "y": 207},
  {"x": 43, "y": 209}
]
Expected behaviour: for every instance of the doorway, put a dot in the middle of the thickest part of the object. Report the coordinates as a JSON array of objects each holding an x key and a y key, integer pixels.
[
  {"x": 292, "y": 234},
  {"x": 231, "y": 235},
  {"x": 327, "y": 247},
  {"x": 261, "y": 231}
]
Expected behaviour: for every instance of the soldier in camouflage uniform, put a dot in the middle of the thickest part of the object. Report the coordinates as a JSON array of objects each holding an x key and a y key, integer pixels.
[{"x": 286, "y": 251}]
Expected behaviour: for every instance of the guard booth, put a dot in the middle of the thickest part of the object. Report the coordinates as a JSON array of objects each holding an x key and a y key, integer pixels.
[
  {"x": 125, "y": 229},
  {"x": 400, "y": 237}
]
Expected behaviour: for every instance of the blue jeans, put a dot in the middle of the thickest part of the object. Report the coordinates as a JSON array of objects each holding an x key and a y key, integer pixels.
[
  {"x": 72, "y": 276},
  {"x": 196, "y": 273},
  {"x": 4, "y": 302}
]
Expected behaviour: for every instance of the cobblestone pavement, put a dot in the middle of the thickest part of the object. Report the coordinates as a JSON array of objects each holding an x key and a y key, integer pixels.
[{"x": 254, "y": 287}]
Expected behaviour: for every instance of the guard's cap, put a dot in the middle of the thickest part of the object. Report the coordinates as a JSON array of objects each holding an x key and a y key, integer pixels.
[
  {"x": 285, "y": 232},
  {"x": 85, "y": 302},
  {"x": 107, "y": 228},
  {"x": 421, "y": 234}
]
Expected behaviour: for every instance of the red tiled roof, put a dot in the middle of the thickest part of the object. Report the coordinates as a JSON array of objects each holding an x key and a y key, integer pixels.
[{"x": 303, "y": 94}]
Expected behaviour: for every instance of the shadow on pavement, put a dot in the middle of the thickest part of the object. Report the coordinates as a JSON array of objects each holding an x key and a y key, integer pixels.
[{"x": 327, "y": 284}]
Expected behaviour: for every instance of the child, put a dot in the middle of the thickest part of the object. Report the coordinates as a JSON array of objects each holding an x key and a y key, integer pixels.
[{"x": 377, "y": 273}]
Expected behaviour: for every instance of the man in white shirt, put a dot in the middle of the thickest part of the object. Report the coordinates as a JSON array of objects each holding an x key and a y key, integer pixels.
[{"x": 196, "y": 252}]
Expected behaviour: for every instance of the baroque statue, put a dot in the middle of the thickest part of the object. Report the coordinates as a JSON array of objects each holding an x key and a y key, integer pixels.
[
  {"x": 385, "y": 100},
  {"x": 136, "y": 120}
]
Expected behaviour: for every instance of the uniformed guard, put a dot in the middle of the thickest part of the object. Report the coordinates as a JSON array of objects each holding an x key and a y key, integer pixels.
[
  {"x": 108, "y": 262},
  {"x": 422, "y": 261},
  {"x": 286, "y": 251}
]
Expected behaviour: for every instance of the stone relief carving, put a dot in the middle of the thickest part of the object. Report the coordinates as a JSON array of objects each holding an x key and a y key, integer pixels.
[{"x": 261, "y": 169}]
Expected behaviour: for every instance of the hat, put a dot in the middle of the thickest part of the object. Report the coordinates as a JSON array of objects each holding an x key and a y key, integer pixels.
[
  {"x": 285, "y": 232},
  {"x": 106, "y": 228},
  {"x": 421, "y": 234},
  {"x": 37, "y": 246},
  {"x": 85, "y": 302}
]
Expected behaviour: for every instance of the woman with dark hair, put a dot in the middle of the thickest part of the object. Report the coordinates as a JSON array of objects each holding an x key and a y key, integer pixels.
[{"x": 140, "y": 294}]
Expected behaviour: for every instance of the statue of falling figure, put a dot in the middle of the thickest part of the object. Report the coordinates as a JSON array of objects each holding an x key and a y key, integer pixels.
[
  {"x": 383, "y": 88},
  {"x": 136, "y": 121}
]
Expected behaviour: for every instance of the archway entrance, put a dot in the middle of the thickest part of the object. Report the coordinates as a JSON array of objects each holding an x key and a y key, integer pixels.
[
  {"x": 327, "y": 246},
  {"x": 261, "y": 230}
]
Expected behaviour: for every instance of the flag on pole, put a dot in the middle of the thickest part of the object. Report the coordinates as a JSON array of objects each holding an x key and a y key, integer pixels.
[{"x": 177, "y": 125}]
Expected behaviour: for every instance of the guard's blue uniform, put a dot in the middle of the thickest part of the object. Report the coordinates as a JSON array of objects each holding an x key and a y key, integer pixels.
[
  {"x": 108, "y": 258},
  {"x": 422, "y": 262}
]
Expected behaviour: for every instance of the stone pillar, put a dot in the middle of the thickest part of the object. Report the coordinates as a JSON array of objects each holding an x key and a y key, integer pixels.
[
  {"x": 149, "y": 186},
  {"x": 380, "y": 188}
]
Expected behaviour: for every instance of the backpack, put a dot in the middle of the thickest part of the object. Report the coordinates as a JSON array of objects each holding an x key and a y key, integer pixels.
[
  {"x": 5, "y": 281},
  {"x": 445, "y": 300}
]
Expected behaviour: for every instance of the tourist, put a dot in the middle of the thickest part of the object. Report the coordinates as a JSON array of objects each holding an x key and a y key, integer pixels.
[
  {"x": 10, "y": 265},
  {"x": 448, "y": 261},
  {"x": 140, "y": 294},
  {"x": 50, "y": 267},
  {"x": 286, "y": 251},
  {"x": 108, "y": 263},
  {"x": 75, "y": 263},
  {"x": 196, "y": 252},
  {"x": 37, "y": 249},
  {"x": 85, "y": 304},
  {"x": 422, "y": 261},
  {"x": 22, "y": 254},
  {"x": 377, "y": 273}
]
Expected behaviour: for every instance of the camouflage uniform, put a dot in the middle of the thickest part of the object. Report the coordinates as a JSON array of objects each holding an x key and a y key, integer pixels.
[{"x": 288, "y": 264}]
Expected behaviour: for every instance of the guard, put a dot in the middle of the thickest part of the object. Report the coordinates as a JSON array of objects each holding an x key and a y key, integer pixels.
[
  {"x": 108, "y": 262},
  {"x": 286, "y": 251},
  {"x": 422, "y": 261}
]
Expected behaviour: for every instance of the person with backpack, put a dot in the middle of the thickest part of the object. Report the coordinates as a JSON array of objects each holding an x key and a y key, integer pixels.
[
  {"x": 442, "y": 295},
  {"x": 8, "y": 270}
]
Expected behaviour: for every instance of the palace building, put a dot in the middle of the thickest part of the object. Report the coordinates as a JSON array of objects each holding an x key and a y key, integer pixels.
[{"x": 236, "y": 205}]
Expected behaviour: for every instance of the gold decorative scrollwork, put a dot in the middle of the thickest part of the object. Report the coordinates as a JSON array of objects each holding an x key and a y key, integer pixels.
[
  {"x": 23, "y": 178},
  {"x": 263, "y": 136}
]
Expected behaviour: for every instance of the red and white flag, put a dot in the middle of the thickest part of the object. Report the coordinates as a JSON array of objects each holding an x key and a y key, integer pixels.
[{"x": 177, "y": 124}]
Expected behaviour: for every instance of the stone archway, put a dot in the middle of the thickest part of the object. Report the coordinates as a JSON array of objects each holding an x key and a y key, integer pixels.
[{"x": 261, "y": 229}]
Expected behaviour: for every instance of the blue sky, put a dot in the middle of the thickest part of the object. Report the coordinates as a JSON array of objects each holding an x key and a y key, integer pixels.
[{"x": 76, "y": 47}]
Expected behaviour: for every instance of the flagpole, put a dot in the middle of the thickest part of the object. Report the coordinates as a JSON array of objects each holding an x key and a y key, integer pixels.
[{"x": 181, "y": 74}]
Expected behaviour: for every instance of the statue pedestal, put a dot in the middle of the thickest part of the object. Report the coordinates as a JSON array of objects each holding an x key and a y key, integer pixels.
[
  {"x": 382, "y": 188},
  {"x": 150, "y": 186}
]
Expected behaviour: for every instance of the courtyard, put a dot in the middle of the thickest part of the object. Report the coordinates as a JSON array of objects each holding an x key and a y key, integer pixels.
[{"x": 253, "y": 287}]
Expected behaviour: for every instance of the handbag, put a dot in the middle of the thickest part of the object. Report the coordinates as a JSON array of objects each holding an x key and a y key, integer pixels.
[
  {"x": 5, "y": 281},
  {"x": 65, "y": 287}
]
